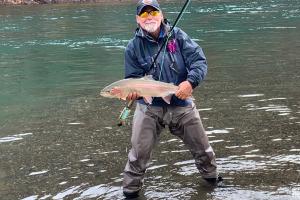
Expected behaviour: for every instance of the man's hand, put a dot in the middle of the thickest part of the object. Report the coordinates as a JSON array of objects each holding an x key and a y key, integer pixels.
[
  {"x": 185, "y": 90},
  {"x": 132, "y": 96}
]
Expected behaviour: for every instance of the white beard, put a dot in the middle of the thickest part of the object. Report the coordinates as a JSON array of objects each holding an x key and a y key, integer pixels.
[{"x": 151, "y": 27}]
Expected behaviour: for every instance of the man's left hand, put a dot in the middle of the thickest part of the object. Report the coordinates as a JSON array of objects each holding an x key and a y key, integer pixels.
[{"x": 185, "y": 90}]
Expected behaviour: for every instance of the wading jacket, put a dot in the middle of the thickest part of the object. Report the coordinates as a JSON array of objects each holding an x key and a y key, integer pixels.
[{"x": 182, "y": 60}]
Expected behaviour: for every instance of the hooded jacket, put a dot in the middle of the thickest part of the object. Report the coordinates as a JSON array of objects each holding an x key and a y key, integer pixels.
[{"x": 182, "y": 59}]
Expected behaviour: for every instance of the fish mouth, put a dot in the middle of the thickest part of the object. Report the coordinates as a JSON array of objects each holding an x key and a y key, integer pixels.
[{"x": 105, "y": 93}]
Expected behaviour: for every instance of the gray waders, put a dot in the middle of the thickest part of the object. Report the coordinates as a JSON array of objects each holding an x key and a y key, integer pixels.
[{"x": 184, "y": 122}]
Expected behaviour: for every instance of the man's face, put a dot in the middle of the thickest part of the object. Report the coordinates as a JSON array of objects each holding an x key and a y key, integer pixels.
[{"x": 151, "y": 20}]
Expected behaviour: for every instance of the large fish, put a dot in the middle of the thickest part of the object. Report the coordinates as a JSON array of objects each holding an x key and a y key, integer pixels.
[{"x": 145, "y": 87}]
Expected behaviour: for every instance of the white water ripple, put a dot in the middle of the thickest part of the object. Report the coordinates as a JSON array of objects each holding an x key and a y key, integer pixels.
[
  {"x": 250, "y": 95},
  {"x": 12, "y": 138},
  {"x": 38, "y": 173},
  {"x": 105, "y": 42}
]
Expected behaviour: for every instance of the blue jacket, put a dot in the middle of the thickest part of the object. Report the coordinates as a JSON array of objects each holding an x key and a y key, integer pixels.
[{"x": 187, "y": 62}]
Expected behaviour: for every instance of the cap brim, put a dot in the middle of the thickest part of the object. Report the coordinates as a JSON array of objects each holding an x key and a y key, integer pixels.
[{"x": 144, "y": 5}]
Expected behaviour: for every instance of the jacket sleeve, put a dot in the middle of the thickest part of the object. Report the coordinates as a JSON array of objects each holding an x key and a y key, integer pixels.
[
  {"x": 194, "y": 59},
  {"x": 132, "y": 68}
]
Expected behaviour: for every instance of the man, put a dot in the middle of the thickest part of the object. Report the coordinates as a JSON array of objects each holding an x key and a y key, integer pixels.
[{"x": 182, "y": 63}]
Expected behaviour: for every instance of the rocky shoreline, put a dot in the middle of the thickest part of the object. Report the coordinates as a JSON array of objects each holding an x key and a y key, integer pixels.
[{"x": 32, "y": 2}]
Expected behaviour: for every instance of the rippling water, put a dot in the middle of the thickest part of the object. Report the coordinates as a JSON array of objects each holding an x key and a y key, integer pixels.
[{"x": 59, "y": 139}]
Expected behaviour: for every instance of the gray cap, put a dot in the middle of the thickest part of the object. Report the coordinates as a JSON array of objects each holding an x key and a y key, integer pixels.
[{"x": 143, "y": 3}]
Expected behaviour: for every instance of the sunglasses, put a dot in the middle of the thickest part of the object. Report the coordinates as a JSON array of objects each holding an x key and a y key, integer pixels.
[{"x": 146, "y": 14}]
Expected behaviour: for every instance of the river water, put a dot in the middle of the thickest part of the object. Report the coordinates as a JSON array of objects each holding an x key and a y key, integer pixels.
[{"x": 59, "y": 139}]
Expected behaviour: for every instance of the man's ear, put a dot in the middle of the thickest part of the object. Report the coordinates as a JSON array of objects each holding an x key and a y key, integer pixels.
[
  {"x": 162, "y": 17},
  {"x": 137, "y": 19}
]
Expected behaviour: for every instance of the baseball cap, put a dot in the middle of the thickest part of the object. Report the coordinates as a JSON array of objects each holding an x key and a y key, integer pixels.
[{"x": 143, "y": 3}]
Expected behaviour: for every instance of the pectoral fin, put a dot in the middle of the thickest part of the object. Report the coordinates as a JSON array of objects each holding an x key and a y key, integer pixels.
[{"x": 168, "y": 98}]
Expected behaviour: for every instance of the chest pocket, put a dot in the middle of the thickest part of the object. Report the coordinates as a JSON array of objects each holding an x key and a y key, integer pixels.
[{"x": 145, "y": 63}]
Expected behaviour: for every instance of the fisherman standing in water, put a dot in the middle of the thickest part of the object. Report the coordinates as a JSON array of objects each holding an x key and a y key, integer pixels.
[{"x": 182, "y": 63}]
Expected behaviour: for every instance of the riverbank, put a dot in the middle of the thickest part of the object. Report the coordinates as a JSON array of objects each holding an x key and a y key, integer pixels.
[{"x": 32, "y": 2}]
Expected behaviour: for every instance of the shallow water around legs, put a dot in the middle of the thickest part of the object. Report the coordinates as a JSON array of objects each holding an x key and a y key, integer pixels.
[{"x": 59, "y": 139}]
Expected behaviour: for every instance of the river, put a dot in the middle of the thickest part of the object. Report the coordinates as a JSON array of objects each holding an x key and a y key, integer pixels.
[{"x": 59, "y": 139}]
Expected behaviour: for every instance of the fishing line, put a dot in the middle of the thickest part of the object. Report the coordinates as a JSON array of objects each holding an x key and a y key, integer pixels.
[{"x": 162, "y": 61}]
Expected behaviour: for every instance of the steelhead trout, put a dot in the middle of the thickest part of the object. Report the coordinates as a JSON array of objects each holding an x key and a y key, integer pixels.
[{"x": 145, "y": 87}]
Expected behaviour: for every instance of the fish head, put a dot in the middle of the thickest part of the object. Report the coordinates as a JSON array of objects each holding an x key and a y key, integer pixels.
[
  {"x": 106, "y": 93},
  {"x": 111, "y": 92}
]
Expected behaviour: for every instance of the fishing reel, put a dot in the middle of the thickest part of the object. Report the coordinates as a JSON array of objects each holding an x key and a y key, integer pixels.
[{"x": 125, "y": 114}]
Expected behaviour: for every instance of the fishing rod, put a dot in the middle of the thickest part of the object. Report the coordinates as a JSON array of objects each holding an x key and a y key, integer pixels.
[{"x": 127, "y": 109}]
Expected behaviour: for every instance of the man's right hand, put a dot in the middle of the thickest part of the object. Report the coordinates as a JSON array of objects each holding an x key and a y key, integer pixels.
[{"x": 132, "y": 96}]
